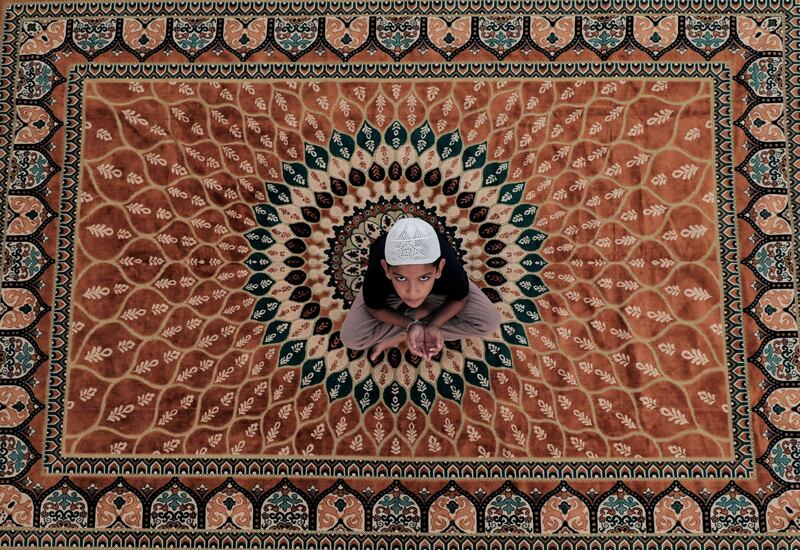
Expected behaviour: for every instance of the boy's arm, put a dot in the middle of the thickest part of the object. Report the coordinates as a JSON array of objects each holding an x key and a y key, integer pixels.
[
  {"x": 447, "y": 311},
  {"x": 390, "y": 316}
]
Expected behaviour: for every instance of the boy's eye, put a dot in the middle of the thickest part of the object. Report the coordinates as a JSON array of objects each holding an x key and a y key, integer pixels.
[{"x": 424, "y": 278}]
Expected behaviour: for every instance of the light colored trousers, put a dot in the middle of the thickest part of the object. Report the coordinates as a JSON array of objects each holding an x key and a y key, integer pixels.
[{"x": 478, "y": 318}]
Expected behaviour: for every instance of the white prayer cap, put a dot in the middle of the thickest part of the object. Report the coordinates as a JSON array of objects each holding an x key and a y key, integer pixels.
[{"x": 411, "y": 241}]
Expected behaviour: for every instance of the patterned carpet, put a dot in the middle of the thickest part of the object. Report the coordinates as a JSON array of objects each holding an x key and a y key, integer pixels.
[{"x": 189, "y": 193}]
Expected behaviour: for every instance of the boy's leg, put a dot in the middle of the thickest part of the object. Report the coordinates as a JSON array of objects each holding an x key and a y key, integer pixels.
[
  {"x": 361, "y": 330},
  {"x": 478, "y": 318}
]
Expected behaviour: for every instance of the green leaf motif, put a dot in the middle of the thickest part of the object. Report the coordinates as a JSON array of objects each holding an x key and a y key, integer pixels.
[
  {"x": 530, "y": 240},
  {"x": 525, "y": 311},
  {"x": 495, "y": 173},
  {"x": 313, "y": 372},
  {"x": 533, "y": 263},
  {"x": 342, "y": 145},
  {"x": 423, "y": 394},
  {"x": 394, "y": 395},
  {"x": 259, "y": 284},
  {"x": 477, "y": 373},
  {"x": 368, "y": 138},
  {"x": 316, "y": 157},
  {"x": 511, "y": 193},
  {"x": 296, "y": 174},
  {"x": 474, "y": 156},
  {"x": 260, "y": 238},
  {"x": 531, "y": 286},
  {"x": 497, "y": 354},
  {"x": 449, "y": 145},
  {"x": 266, "y": 215},
  {"x": 277, "y": 332},
  {"x": 265, "y": 309},
  {"x": 367, "y": 393},
  {"x": 450, "y": 386},
  {"x": 339, "y": 385},
  {"x": 278, "y": 194},
  {"x": 523, "y": 215},
  {"x": 514, "y": 334},
  {"x": 396, "y": 136},
  {"x": 292, "y": 353},
  {"x": 422, "y": 138},
  {"x": 257, "y": 261}
]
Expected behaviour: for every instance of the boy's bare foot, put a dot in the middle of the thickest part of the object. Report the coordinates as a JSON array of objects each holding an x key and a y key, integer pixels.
[{"x": 378, "y": 348}]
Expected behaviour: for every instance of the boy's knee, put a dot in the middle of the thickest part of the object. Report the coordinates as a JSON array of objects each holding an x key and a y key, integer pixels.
[
  {"x": 480, "y": 317},
  {"x": 351, "y": 339},
  {"x": 483, "y": 323},
  {"x": 490, "y": 322}
]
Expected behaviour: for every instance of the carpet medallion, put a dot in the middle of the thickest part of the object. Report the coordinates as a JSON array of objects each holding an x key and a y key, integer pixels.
[{"x": 189, "y": 195}]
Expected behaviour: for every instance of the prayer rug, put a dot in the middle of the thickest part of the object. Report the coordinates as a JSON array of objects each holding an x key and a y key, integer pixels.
[{"x": 189, "y": 192}]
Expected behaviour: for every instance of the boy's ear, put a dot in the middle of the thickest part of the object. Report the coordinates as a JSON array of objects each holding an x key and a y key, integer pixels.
[
  {"x": 441, "y": 267},
  {"x": 386, "y": 269}
]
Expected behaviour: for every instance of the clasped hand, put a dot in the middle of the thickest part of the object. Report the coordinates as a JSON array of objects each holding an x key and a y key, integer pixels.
[{"x": 424, "y": 341}]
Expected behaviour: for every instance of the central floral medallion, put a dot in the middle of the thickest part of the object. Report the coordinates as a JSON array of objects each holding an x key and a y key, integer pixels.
[{"x": 348, "y": 194}]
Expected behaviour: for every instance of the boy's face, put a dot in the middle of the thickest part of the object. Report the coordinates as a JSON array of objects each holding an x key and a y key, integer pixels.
[{"x": 413, "y": 283}]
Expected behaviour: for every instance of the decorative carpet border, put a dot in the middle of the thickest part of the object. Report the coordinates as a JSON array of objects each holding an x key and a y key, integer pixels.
[
  {"x": 391, "y": 541},
  {"x": 792, "y": 102},
  {"x": 775, "y": 359},
  {"x": 741, "y": 467},
  {"x": 405, "y": 7}
]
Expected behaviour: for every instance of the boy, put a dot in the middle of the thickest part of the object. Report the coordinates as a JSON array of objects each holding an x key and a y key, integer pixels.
[{"x": 416, "y": 290}]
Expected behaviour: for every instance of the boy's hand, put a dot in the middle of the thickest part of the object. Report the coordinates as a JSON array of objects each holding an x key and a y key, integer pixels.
[
  {"x": 434, "y": 340},
  {"x": 415, "y": 339}
]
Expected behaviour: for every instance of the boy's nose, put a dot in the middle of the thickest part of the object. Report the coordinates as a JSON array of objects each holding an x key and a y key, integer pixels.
[{"x": 411, "y": 295}]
